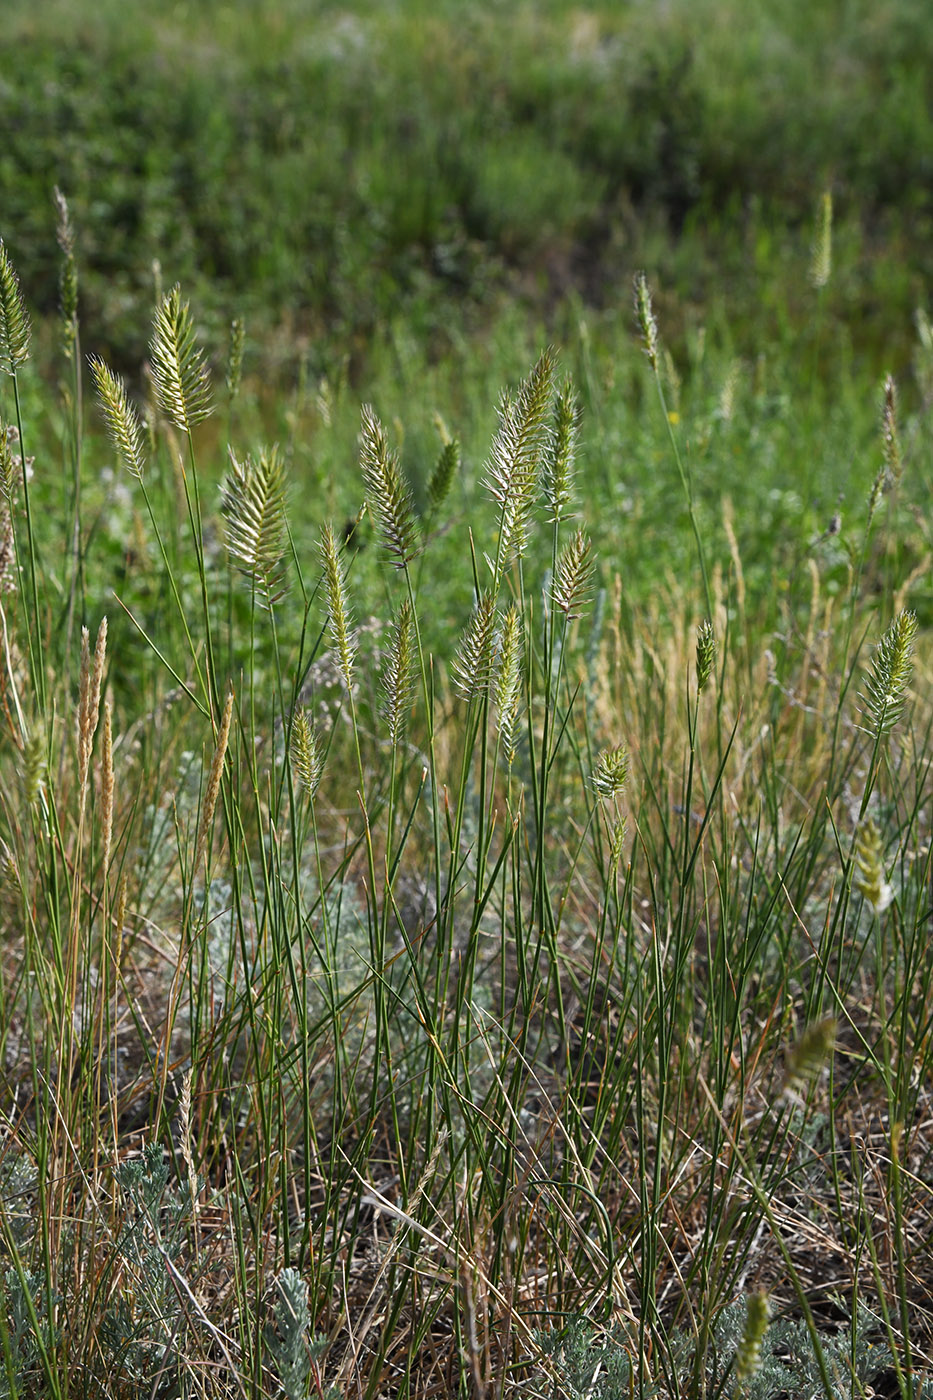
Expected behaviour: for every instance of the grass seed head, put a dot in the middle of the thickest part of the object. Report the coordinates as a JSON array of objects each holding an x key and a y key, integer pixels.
[
  {"x": 890, "y": 438},
  {"x": 388, "y": 492},
  {"x": 338, "y": 608},
  {"x": 610, "y": 773},
  {"x": 557, "y": 469},
  {"x": 472, "y": 667},
  {"x": 515, "y": 457},
  {"x": 254, "y": 506},
  {"x": 821, "y": 251},
  {"x": 890, "y": 673},
  {"x": 748, "y": 1353},
  {"x": 509, "y": 680},
  {"x": 804, "y": 1060},
  {"x": 235, "y": 356},
  {"x": 122, "y": 419},
  {"x": 307, "y": 759},
  {"x": 14, "y": 321},
  {"x": 647, "y": 320},
  {"x": 399, "y": 678},
  {"x": 573, "y": 575},
  {"x": 706, "y": 653},
  {"x": 870, "y": 878},
  {"x": 178, "y": 369}
]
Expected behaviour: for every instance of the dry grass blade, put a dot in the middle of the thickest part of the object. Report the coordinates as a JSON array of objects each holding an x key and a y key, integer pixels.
[
  {"x": 253, "y": 504},
  {"x": 178, "y": 368}
]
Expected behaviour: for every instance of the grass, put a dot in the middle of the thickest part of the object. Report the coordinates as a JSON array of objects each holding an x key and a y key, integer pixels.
[
  {"x": 472, "y": 962},
  {"x": 465, "y": 868}
]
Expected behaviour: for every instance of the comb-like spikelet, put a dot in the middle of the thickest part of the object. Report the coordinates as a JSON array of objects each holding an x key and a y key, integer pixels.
[
  {"x": 445, "y": 469},
  {"x": 891, "y": 669},
  {"x": 472, "y": 667},
  {"x": 870, "y": 878},
  {"x": 806, "y": 1057},
  {"x": 398, "y": 682},
  {"x": 706, "y": 653},
  {"x": 748, "y": 1353},
  {"x": 890, "y": 439},
  {"x": 572, "y": 575},
  {"x": 178, "y": 369},
  {"x": 235, "y": 356},
  {"x": 821, "y": 253},
  {"x": 559, "y": 459},
  {"x": 610, "y": 773},
  {"x": 14, "y": 322},
  {"x": 338, "y": 609},
  {"x": 388, "y": 492},
  {"x": 509, "y": 681},
  {"x": 512, "y": 470},
  {"x": 253, "y": 504},
  {"x": 646, "y": 319},
  {"x": 122, "y": 419},
  {"x": 68, "y": 274},
  {"x": 307, "y": 759}
]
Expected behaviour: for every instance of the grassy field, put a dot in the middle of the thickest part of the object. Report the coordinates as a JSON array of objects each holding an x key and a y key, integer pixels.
[{"x": 466, "y": 748}]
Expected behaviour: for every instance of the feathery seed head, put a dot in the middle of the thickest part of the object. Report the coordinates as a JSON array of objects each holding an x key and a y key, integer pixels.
[
  {"x": 572, "y": 575},
  {"x": 610, "y": 773},
  {"x": 706, "y": 653},
  {"x": 341, "y": 632},
  {"x": 399, "y": 680},
  {"x": 122, "y": 419},
  {"x": 33, "y": 767},
  {"x": 14, "y": 321},
  {"x": 869, "y": 867},
  {"x": 804, "y": 1060},
  {"x": 472, "y": 666},
  {"x": 890, "y": 439},
  {"x": 307, "y": 759},
  {"x": 821, "y": 253},
  {"x": 509, "y": 680},
  {"x": 559, "y": 459},
  {"x": 254, "y": 506},
  {"x": 178, "y": 369},
  {"x": 891, "y": 669},
  {"x": 8, "y": 460},
  {"x": 646, "y": 319},
  {"x": 748, "y": 1353},
  {"x": 512, "y": 470},
  {"x": 388, "y": 492}
]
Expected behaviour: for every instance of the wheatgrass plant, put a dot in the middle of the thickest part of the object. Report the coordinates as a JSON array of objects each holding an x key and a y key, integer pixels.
[{"x": 544, "y": 1015}]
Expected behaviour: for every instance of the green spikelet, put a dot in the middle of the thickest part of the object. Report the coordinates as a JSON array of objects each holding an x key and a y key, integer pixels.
[
  {"x": 890, "y": 438},
  {"x": 33, "y": 768},
  {"x": 748, "y": 1353},
  {"x": 388, "y": 492},
  {"x": 572, "y": 575},
  {"x": 399, "y": 679},
  {"x": 253, "y": 504},
  {"x": 307, "y": 759},
  {"x": 121, "y": 418},
  {"x": 512, "y": 469},
  {"x": 68, "y": 275},
  {"x": 646, "y": 320},
  {"x": 804, "y": 1060},
  {"x": 338, "y": 609},
  {"x": 9, "y": 471},
  {"x": 891, "y": 669},
  {"x": 509, "y": 681},
  {"x": 821, "y": 252},
  {"x": 560, "y": 458},
  {"x": 14, "y": 322},
  {"x": 706, "y": 653},
  {"x": 445, "y": 470},
  {"x": 870, "y": 878},
  {"x": 610, "y": 773},
  {"x": 178, "y": 369},
  {"x": 235, "y": 356},
  {"x": 472, "y": 667}
]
